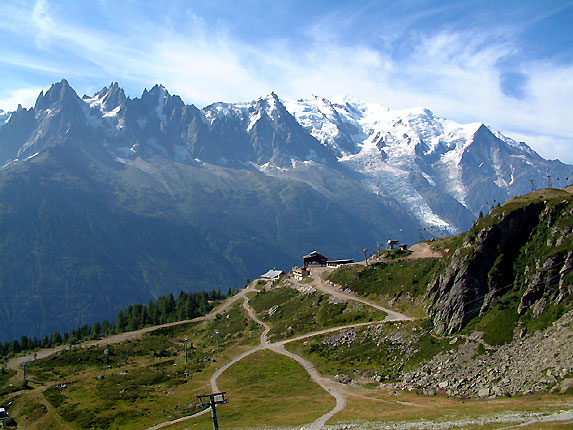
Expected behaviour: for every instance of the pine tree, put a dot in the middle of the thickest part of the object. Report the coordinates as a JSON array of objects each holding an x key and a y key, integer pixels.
[
  {"x": 95, "y": 331},
  {"x": 15, "y": 347},
  {"x": 120, "y": 322},
  {"x": 56, "y": 339}
]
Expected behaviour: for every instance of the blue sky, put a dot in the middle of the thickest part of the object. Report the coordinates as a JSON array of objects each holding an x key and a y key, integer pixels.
[{"x": 506, "y": 63}]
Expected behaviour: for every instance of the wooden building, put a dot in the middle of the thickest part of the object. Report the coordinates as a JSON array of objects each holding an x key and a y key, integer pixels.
[{"x": 315, "y": 258}]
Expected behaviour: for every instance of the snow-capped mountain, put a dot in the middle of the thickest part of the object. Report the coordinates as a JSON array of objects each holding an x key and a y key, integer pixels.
[
  {"x": 428, "y": 165},
  {"x": 134, "y": 198},
  {"x": 419, "y": 158}
]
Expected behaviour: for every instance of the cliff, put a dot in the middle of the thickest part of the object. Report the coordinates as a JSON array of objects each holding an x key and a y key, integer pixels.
[{"x": 516, "y": 260}]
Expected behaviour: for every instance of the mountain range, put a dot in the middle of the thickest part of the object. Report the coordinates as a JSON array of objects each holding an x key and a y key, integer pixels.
[{"x": 107, "y": 200}]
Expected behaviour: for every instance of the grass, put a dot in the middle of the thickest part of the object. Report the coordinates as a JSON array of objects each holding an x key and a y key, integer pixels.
[
  {"x": 5, "y": 385},
  {"x": 387, "y": 279},
  {"x": 410, "y": 408},
  {"x": 145, "y": 381},
  {"x": 267, "y": 389},
  {"x": 296, "y": 313},
  {"x": 384, "y": 350},
  {"x": 32, "y": 412},
  {"x": 449, "y": 244},
  {"x": 394, "y": 254},
  {"x": 139, "y": 382},
  {"x": 551, "y": 313},
  {"x": 400, "y": 284}
]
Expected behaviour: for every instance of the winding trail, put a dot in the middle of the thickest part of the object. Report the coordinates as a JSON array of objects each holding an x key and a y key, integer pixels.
[
  {"x": 424, "y": 250},
  {"x": 324, "y": 287},
  {"x": 16, "y": 362},
  {"x": 279, "y": 347},
  {"x": 179, "y": 420}
]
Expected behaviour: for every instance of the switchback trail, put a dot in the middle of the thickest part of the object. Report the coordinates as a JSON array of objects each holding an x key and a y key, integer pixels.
[{"x": 279, "y": 348}]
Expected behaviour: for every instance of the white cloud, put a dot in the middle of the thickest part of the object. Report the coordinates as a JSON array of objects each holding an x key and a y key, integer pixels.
[
  {"x": 25, "y": 96},
  {"x": 548, "y": 146},
  {"x": 454, "y": 73}
]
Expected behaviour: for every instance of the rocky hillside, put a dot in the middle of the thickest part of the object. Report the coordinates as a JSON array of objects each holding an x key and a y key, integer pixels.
[
  {"x": 538, "y": 362},
  {"x": 500, "y": 304},
  {"x": 515, "y": 262}
]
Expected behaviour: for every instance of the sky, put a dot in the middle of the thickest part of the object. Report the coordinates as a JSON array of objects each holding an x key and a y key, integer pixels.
[{"x": 506, "y": 63}]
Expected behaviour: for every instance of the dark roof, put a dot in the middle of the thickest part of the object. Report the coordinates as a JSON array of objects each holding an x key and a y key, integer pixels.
[{"x": 314, "y": 254}]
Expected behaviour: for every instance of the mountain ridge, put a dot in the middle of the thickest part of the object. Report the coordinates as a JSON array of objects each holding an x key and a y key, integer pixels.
[
  {"x": 225, "y": 192},
  {"x": 411, "y": 155}
]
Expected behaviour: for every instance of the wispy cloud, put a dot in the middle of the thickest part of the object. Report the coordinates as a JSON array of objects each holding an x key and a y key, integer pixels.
[
  {"x": 24, "y": 96},
  {"x": 454, "y": 71}
]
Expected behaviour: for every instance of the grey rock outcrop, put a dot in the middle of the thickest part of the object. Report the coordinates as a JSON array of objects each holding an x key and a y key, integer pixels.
[
  {"x": 483, "y": 267},
  {"x": 538, "y": 362}
]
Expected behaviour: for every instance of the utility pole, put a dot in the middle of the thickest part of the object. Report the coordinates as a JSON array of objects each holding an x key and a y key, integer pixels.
[
  {"x": 378, "y": 245},
  {"x": 185, "y": 340},
  {"x": 421, "y": 235},
  {"x": 213, "y": 400},
  {"x": 549, "y": 183},
  {"x": 217, "y": 333},
  {"x": 532, "y": 185},
  {"x": 365, "y": 250},
  {"x": 24, "y": 365}
]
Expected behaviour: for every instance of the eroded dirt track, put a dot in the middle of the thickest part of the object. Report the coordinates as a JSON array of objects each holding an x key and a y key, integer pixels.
[{"x": 327, "y": 384}]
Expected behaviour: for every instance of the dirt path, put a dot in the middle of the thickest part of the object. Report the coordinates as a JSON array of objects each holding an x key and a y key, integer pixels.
[
  {"x": 16, "y": 362},
  {"x": 325, "y": 383},
  {"x": 319, "y": 283},
  {"x": 279, "y": 348},
  {"x": 424, "y": 250},
  {"x": 179, "y": 420},
  {"x": 326, "y": 331}
]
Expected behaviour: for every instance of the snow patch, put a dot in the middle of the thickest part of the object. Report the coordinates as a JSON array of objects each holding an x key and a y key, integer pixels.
[
  {"x": 4, "y": 117},
  {"x": 161, "y": 101},
  {"x": 112, "y": 112},
  {"x": 253, "y": 118}
]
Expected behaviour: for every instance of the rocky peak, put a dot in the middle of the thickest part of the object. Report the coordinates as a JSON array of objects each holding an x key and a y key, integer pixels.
[
  {"x": 59, "y": 95},
  {"x": 108, "y": 100},
  {"x": 270, "y": 106}
]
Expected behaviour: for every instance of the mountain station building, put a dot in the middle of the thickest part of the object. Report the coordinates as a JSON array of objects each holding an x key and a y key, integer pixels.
[
  {"x": 272, "y": 275},
  {"x": 315, "y": 258}
]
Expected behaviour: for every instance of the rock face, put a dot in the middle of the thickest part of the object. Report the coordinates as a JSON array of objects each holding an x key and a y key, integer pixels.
[
  {"x": 537, "y": 362},
  {"x": 523, "y": 246}
]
